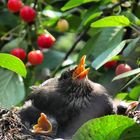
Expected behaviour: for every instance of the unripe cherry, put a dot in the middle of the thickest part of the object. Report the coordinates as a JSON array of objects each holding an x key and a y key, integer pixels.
[{"x": 62, "y": 25}]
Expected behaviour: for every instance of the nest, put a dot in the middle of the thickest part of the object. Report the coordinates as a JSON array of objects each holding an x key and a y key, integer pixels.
[
  {"x": 135, "y": 115},
  {"x": 11, "y": 127}
]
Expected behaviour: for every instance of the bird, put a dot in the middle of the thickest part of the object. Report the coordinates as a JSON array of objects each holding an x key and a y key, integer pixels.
[{"x": 71, "y": 100}]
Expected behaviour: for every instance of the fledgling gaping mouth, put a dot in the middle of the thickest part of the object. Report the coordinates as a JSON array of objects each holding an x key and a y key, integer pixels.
[
  {"x": 43, "y": 125},
  {"x": 80, "y": 72}
]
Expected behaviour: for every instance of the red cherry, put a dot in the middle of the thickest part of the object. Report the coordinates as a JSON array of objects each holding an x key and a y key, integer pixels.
[
  {"x": 28, "y": 14},
  {"x": 122, "y": 68},
  {"x": 35, "y": 57},
  {"x": 45, "y": 41},
  {"x": 19, "y": 52},
  {"x": 14, "y": 5},
  {"x": 110, "y": 64}
]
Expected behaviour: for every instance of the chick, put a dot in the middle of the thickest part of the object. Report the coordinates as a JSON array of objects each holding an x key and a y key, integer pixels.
[{"x": 72, "y": 99}]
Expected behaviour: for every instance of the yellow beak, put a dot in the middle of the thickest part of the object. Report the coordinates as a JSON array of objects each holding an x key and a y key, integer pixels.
[
  {"x": 43, "y": 125},
  {"x": 80, "y": 72}
]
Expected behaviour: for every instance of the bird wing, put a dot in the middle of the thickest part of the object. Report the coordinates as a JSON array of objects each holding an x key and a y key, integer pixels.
[
  {"x": 101, "y": 99},
  {"x": 46, "y": 98},
  {"x": 47, "y": 85},
  {"x": 50, "y": 82}
]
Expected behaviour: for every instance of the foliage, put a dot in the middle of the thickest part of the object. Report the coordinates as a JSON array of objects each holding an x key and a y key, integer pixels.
[
  {"x": 12, "y": 89},
  {"x": 103, "y": 30},
  {"x": 111, "y": 21},
  {"x": 12, "y": 63},
  {"x": 113, "y": 127},
  {"x": 133, "y": 95}
]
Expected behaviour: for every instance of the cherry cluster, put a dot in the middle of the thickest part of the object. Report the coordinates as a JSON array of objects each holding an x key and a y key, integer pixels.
[
  {"x": 44, "y": 41},
  {"x": 26, "y": 13}
]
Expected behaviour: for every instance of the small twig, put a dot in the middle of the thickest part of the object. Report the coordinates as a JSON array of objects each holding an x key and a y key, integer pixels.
[
  {"x": 75, "y": 43},
  {"x": 12, "y": 30}
]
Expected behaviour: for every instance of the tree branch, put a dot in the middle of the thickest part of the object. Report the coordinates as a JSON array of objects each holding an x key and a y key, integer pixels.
[{"x": 79, "y": 37}]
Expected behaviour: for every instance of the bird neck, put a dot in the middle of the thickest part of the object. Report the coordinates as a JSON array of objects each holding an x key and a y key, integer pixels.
[{"x": 76, "y": 88}]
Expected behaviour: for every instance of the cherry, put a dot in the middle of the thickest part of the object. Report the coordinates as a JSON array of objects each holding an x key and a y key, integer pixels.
[
  {"x": 14, "y": 5},
  {"x": 35, "y": 57},
  {"x": 62, "y": 25},
  {"x": 122, "y": 68},
  {"x": 19, "y": 52},
  {"x": 45, "y": 41},
  {"x": 28, "y": 14},
  {"x": 110, "y": 64}
]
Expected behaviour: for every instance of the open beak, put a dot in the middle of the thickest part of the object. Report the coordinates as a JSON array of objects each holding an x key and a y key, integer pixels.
[
  {"x": 80, "y": 72},
  {"x": 43, "y": 125},
  {"x": 131, "y": 106}
]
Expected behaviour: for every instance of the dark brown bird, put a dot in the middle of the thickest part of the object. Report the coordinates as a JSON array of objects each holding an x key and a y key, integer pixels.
[{"x": 71, "y": 99}]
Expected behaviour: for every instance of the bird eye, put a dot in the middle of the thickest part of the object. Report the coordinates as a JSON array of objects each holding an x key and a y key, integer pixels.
[{"x": 65, "y": 75}]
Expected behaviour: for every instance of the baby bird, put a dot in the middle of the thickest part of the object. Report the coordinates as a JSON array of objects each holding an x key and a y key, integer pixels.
[{"x": 71, "y": 100}]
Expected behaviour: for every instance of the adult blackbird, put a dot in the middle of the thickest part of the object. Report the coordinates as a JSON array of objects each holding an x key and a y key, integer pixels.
[{"x": 71, "y": 100}]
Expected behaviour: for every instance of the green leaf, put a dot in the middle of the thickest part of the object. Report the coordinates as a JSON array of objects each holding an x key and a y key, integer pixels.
[
  {"x": 105, "y": 128},
  {"x": 107, "y": 55},
  {"x": 127, "y": 74},
  {"x": 131, "y": 133},
  {"x": 12, "y": 63},
  {"x": 91, "y": 14},
  {"x": 111, "y": 21},
  {"x": 74, "y": 3},
  {"x": 91, "y": 17},
  {"x": 130, "y": 16},
  {"x": 103, "y": 2},
  {"x": 16, "y": 43},
  {"x": 51, "y": 13},
  {"x": 6, "y": 19},
  {"x": 101, "y": 41},
  {"x": 122, "y": 96},
  {"x": 106, "y": 77},
  {"x": 131, "y": 46},
  {"x": 74, "y": 22},
  {"x": 135, "y": 93},
  {"x": 11, "y": 89},
  {"x": 131, "y": 81}
]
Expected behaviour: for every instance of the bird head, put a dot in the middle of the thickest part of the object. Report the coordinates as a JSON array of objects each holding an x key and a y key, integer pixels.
[
  {"x": 74, "y": 82},
  {"x": 78, "y": 73}
]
